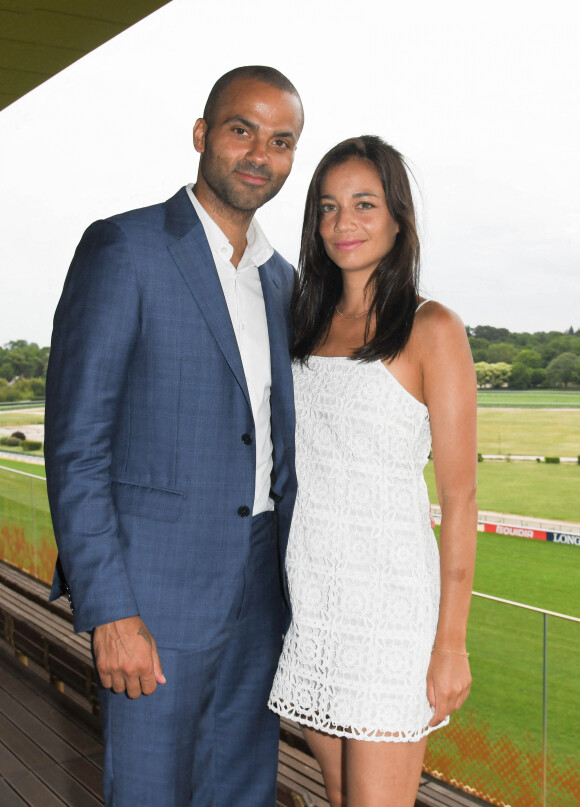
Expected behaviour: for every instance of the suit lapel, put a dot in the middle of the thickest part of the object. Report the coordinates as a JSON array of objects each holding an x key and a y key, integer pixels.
[
  {"x": 282, "y": 397},
  {"x": 196, "y": 264},
  {"x": 278, "y": 336}
]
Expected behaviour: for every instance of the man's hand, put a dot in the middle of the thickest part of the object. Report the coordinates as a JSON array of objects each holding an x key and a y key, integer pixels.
[{"x": 126, "y": 657}]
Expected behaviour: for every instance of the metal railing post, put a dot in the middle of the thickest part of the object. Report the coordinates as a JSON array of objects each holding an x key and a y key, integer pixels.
[
  {"x": 33, "y": 526},
  {"x": 545, "y": 715}
]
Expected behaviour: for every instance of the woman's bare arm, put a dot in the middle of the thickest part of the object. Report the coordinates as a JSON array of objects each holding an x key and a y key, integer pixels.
[{"x": 450, "y": 392}]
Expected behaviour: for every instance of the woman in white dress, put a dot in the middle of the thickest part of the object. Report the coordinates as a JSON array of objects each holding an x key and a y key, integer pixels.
[{"x": 375, "y": 657}]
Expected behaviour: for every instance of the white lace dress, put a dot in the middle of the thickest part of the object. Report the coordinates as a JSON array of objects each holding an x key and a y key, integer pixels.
[{"x": 362, "y": 562}]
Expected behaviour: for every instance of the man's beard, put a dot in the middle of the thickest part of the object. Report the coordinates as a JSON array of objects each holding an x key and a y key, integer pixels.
[{"x": 232, "y": 193}]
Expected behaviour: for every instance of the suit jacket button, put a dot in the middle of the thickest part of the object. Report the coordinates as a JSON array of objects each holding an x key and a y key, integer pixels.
[
  {"x": 243, "y": 511},
  {"x": 247, "y": 439}
]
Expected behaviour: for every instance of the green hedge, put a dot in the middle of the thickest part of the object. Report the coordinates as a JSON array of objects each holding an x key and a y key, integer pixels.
[
  {"x": 9, "y": 441},
  {"x": 30, "y": 445}
]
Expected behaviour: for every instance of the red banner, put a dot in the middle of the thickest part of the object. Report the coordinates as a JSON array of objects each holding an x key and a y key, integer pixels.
[{"x": 520, "y": 532}]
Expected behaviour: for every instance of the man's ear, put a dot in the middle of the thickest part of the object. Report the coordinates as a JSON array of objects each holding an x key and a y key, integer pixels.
[{"x": 199, "y": 132}]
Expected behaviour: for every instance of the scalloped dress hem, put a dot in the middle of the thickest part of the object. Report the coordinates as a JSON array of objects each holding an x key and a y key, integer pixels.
[{"x": 353, "y": 732}]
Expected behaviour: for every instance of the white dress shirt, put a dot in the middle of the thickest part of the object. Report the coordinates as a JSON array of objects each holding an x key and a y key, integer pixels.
[{"x": 245, "y": 301}]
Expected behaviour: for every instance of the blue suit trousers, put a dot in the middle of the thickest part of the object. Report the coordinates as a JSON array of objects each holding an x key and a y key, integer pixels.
[{"x": 206, "y": 738}]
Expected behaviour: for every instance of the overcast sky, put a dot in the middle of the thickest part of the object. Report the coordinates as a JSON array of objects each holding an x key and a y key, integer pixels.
[{"x": 481, "y": 97}]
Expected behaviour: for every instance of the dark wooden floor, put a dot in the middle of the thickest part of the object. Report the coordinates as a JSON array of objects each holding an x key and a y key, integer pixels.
[{"x": 50, "y": 748}]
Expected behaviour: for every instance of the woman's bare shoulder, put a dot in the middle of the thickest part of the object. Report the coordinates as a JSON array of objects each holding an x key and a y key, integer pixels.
[
  {"x": 434, "y": 315},
  {"x": 438, "y": 327}
]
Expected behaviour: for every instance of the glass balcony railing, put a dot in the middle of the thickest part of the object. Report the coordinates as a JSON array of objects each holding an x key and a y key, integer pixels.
[
  {"x": 515, "y": 742},
  {"x": 26, "y": 534}
]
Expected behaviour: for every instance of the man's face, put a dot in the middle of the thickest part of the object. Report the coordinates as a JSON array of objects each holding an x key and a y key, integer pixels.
[{"x": 247, "y": 152}]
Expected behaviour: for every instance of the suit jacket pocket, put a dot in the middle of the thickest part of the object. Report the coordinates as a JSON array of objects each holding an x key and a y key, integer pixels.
[{"x": 157, "y": 504}]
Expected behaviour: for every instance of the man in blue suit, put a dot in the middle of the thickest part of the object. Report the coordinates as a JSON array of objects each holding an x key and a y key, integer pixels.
[{"x": 169, "y": 458}]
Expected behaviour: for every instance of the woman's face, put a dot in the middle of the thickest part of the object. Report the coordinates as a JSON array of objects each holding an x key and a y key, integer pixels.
[{"x": 355, "y": 224}]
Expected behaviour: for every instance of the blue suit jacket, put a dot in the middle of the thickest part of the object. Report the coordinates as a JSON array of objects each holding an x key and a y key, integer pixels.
[{"x": 146, "y": 405}]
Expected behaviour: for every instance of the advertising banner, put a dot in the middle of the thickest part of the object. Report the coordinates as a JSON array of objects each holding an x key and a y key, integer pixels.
[
  {"x": 571, "y": 538},
  {"x": 521, "y": 532},
  {"x": 564, "y": 538}
]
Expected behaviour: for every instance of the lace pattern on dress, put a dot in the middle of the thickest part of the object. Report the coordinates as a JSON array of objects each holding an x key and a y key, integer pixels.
[{"x": 362, "y": 560}]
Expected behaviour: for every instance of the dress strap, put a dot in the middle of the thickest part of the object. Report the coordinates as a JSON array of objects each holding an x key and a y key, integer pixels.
[{"x": 428, "y": 300}]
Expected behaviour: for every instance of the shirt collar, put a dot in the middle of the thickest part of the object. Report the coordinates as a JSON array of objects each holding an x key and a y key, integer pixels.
[{"x": 258, "y": 250}]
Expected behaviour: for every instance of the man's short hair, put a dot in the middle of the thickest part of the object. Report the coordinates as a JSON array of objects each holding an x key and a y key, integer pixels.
[{"x": 268, "y": 75}]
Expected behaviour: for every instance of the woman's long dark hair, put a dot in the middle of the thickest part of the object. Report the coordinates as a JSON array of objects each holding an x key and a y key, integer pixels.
[{"x": 394, "y": 282}]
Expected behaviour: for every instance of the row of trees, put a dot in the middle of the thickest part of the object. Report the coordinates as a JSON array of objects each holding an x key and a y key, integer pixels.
[
  {"x": 518, "y": 360},
  {"x": 23, "y": 360},
  {"x": 24, "y": 389},
  {"x": 561, "y": 371},
  {"x": 22, "y": 371},
  {"x": 523, "y": 360},
  {"x": 532, "y": 349}
]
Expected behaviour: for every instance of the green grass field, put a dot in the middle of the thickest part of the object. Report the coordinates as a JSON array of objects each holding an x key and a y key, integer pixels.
[
  {"x": 27, "y": 467},
  {"x": 531, "y": 398},
  {"x": 495, "y": 742},
  {"x": 26, "y": 535},
  {"x": 21, "y": 404},
  {"x": 543, "y": 432},
  {"x": 537, "y": 573},
  {"x": 22, "y": 418},
  {"x": 506, "y": 430},
  {"x": 524, "y": 488},
  {"x": 18, "y": 452}
]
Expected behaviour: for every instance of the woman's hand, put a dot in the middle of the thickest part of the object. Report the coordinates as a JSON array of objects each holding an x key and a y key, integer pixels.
[{"x": 448, "y": 683}]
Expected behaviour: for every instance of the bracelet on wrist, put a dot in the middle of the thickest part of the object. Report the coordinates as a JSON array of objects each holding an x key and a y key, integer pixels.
[{"x": 451, "y": 652}]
